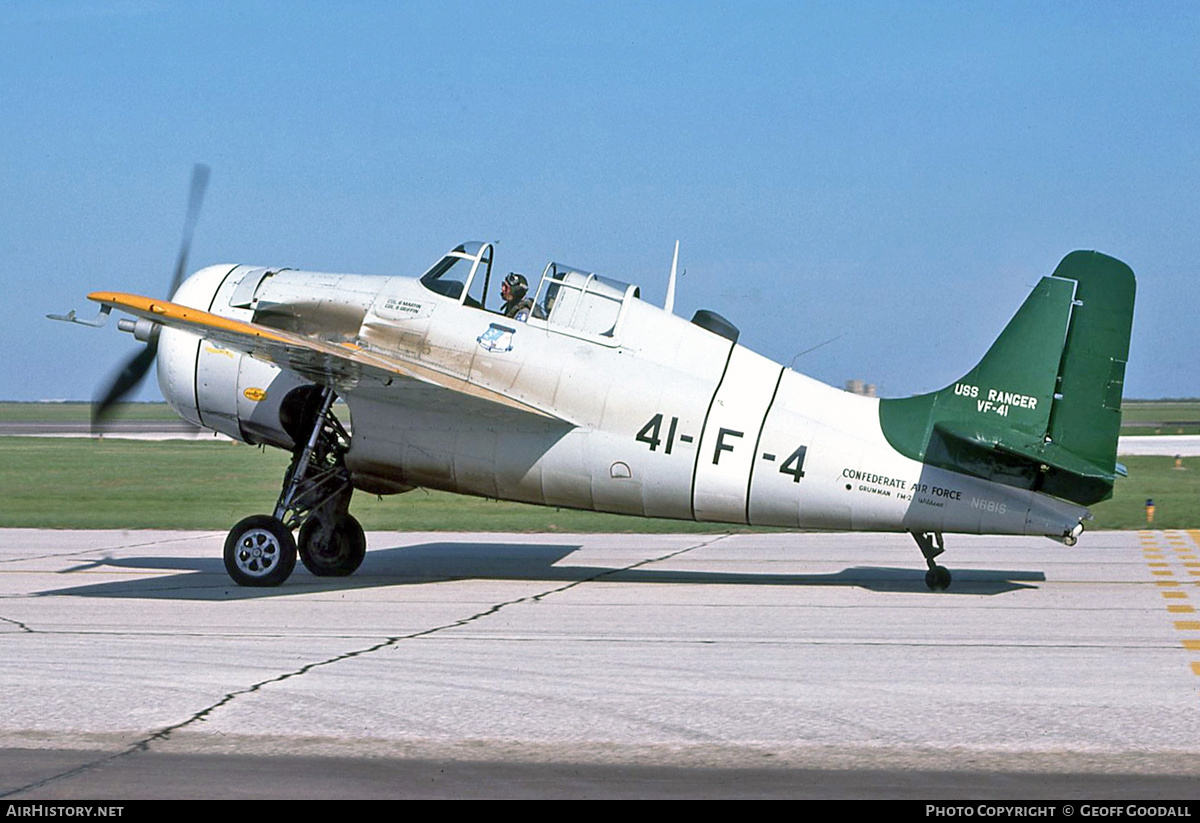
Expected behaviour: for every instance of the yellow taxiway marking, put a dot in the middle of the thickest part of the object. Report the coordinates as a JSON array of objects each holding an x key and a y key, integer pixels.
[{"x": 1160, "y": 566}]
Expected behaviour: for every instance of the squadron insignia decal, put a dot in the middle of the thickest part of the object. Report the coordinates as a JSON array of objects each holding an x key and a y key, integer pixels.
[{"x": 496, "y": 338}]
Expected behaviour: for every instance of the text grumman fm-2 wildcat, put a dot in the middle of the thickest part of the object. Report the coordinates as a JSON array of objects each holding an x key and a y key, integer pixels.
[{"x": 601, "y": 401}]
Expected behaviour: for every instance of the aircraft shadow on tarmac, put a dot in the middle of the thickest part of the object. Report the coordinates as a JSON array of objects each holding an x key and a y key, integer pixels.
[{"x": 204, "y": 578}]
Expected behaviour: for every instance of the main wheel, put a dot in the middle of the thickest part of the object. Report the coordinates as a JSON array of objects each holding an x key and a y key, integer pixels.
[
  {"x": 937, "y": 578},
  {"x": 260, "y": 551},
  {"x": 332, "y": 548}
]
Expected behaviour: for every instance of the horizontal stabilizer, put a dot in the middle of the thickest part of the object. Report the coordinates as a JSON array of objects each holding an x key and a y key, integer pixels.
[{"x": 1016, "y": 459}]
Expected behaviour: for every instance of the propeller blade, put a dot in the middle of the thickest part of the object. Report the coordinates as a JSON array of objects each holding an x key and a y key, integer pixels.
[
  {"x": 131, "y": 375},
  {"x": 195, "y": 199},
  {"x": 123, "y": 383}
]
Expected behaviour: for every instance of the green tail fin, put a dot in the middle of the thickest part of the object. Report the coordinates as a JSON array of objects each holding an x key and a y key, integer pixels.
[{"x": 1043, "y": 408}]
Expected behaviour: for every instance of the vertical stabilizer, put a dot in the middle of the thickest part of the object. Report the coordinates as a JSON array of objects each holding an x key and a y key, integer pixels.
[{"x": 1042, "y": 409}]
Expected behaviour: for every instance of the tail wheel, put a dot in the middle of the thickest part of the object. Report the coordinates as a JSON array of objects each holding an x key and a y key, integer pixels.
[
  {"x": 937, "y": 578},
  {"x": 260, "y": 551},
  {"x": 332, "y": 548},
  {"x": 931, "y": 545}
]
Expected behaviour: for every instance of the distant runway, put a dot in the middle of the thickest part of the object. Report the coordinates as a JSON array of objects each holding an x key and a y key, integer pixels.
[
  {"x": 482, "y": 665},
  {"x": 1169, "y": 445},
  {"x": 119, "y": 429},
  {"x": 1163, "y": 445}
]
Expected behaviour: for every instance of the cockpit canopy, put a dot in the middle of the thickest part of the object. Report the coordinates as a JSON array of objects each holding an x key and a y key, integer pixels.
[
  {"x": 568, "y": 299},
  {"x": 463, "y": 274},
  {"x": 582, "y": 301}
]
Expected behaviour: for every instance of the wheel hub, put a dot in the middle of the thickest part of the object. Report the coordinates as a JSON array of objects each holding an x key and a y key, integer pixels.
[{"x": 259, "y": 554}]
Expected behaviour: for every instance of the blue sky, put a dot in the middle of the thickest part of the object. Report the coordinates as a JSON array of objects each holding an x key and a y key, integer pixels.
[{"x": 893, "y": 175}]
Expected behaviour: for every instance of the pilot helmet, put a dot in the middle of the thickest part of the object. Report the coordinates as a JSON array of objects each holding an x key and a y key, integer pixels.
[{"x": 517, "y": 285}]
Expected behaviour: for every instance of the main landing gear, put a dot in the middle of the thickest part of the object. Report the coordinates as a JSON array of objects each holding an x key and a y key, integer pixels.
[
  {"x": 260, "y": 550},
  {"x": 938, "y": 577}
]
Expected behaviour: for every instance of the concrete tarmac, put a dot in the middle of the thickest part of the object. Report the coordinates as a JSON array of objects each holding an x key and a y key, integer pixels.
[{"x": 483, "y": 665}]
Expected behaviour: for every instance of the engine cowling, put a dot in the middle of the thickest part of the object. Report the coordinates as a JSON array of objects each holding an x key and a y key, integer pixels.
[{"x": 224, "y": 390}]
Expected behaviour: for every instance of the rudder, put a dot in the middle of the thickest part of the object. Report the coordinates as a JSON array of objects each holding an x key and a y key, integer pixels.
[{"x": 1086, "y": 417}]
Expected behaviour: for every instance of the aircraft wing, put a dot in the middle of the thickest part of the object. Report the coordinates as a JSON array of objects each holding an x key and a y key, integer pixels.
[{"x": 342, "y": 365}]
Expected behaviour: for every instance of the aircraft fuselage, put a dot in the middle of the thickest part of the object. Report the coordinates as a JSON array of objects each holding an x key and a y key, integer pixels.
[{"x": 651, "y": 415}]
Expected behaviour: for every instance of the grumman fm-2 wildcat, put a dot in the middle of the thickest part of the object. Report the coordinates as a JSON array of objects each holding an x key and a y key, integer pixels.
[{"x": 594, "y": 399}]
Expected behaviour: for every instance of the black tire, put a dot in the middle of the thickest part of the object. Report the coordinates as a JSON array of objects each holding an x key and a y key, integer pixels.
[
  {"x": 332, "y": 548},
  {"x": 938, "y": 579},
  {"x": 260, "y": 551}
]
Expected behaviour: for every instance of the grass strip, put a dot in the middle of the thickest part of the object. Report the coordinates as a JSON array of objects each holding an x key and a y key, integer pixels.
[{"x": 81, "y": 483}]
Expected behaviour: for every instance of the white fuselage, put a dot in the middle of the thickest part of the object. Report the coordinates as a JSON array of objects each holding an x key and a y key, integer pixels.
[{"x": 655, "y": 416}]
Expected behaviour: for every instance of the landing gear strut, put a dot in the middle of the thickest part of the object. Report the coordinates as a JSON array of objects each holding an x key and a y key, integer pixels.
[
  {"x": 938, "y": 577},
  {"x": 260, "y": 550}
]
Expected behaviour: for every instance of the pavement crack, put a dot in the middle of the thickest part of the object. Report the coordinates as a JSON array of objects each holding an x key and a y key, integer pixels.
[
  {"x": 88, "y": 554},
  {"x": 18, "y": 624},
  {"x": 645, "y": 562}
]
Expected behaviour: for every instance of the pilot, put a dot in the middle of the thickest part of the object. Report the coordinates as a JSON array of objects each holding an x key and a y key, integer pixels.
[{"x": 513, "y": 292}]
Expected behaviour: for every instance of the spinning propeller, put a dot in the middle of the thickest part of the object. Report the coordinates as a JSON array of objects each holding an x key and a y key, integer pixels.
[{"x": 131, "y": 374}]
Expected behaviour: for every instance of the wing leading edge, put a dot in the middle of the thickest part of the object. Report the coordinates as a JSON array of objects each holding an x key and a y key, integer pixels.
[{"x": 341, "y": 365}]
